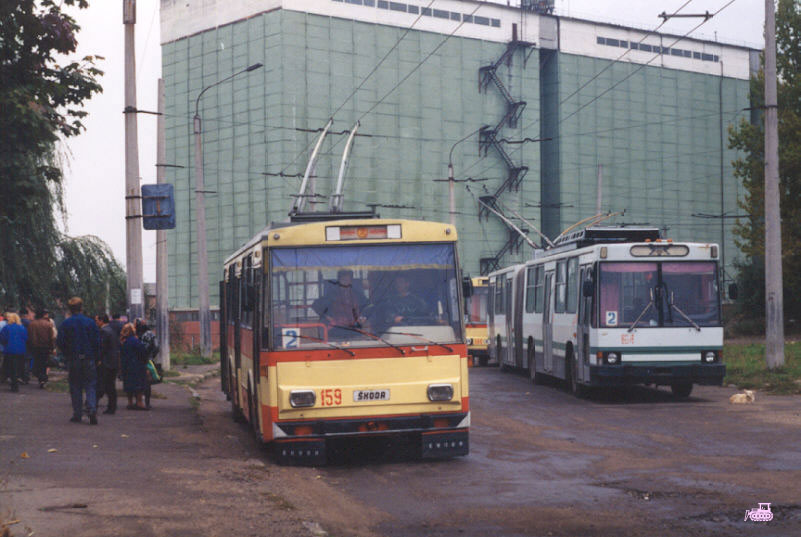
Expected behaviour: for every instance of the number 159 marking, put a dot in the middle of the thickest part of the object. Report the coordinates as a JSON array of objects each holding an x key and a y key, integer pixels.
[{"x": 331, "y": 397}]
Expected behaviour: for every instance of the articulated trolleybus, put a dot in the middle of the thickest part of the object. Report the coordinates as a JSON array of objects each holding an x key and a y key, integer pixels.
[
  {"x": 610, "y": 306},
  {"x": 336, "y": 328}
]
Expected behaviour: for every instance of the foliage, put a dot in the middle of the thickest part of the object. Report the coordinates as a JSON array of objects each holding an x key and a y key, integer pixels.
[
  {"x": 749, "y": 139},
  {"x": 746, "y": 368},
  {"x": 41, "y": 94},
  {"x": 86, "y": 268},
  {"x": 193, "y": 357}
]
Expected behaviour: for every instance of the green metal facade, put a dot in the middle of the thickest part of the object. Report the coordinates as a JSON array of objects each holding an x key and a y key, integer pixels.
[{"x": 657, "y": 135}]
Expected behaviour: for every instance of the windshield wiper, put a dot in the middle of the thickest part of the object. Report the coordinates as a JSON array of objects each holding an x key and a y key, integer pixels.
[
  {"x": 368, "y": 334},
  {"x": 637, "y": 320},
  {"x": 420, "y": 336},
  {"x": 326, "y": 343},
  {"x": 672, "y": 304}
]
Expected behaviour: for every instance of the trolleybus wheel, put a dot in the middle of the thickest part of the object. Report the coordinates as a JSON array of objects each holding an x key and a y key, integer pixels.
[
  {"x": 681, "y": 390},
  {"x": 535, "y": 377},
  {"x": 482, "y": 360},
  {"x": 571, "y": 362}
]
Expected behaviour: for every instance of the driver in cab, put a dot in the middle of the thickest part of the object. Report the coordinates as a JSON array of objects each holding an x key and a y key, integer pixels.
[
  {"x": 340, "y": 307},
  {"x": 403, "y": 307}
]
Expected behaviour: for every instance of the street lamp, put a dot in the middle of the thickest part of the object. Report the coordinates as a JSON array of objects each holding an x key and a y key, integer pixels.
[
  {"x": 204, "y": 315},
  {"x": 451, "y": 180}
]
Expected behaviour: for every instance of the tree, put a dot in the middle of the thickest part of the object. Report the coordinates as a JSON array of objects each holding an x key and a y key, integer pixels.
[
  {"x": 40, "y": 104},
  {"x": 749, "y": 139}
]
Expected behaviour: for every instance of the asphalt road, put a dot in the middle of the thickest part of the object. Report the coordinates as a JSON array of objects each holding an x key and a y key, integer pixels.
[
  {"x": 634, "y": 462},
  {"x": 542, "y": 463}
]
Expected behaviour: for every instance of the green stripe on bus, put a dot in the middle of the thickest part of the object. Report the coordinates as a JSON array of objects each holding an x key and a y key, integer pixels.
[{"x": 658, "y": 350}]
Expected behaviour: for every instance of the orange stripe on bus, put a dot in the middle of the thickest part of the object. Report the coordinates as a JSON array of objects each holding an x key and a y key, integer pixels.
[{"x": 320, "y": 355}]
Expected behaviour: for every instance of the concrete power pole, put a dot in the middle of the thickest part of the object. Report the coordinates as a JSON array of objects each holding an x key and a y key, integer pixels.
[
  {"x": 774, "y": 302},
  {"x": 162, "y": 302},
  {"x": 133, "y": 225}
]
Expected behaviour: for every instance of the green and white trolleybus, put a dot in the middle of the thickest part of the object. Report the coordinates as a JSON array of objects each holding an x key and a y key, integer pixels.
[{"x": 610, "y": 306}]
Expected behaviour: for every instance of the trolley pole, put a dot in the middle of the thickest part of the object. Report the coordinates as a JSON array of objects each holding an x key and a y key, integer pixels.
[
  {"x": 774, "y": 301},
  {"x": 162, "y": 298},
  {"x": 133, "y": 229}
]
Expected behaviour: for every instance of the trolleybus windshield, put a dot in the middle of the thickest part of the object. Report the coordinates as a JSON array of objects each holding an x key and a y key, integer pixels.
[
  {"x": 361, "y": 296},
  {"x": 662, "y": 294}
]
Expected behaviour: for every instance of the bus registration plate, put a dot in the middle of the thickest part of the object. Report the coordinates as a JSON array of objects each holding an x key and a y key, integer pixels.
[{"x": 360, "y": 396}]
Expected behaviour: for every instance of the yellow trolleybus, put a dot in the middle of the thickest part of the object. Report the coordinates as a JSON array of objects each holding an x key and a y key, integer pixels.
[
  {"x": 475, "y": 306},
  {"x": 346, "y": 328}
]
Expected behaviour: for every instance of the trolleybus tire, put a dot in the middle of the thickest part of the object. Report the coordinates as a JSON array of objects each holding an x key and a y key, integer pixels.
[
  {"x": 536, "y": 378},
  {"x": 576, "y": 388},
  {"x": 482, "y": 360},
  {"x": 681, "y": 390}
]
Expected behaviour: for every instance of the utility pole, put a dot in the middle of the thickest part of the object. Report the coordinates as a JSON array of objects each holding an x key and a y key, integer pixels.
[
  {"x": 162, "y": 302},
  {"x": 599, "y": 189},
  {"x": 204, "y": 314},
  {"x": 133, "y": 226},
  {"x": 774, "y": 301}
]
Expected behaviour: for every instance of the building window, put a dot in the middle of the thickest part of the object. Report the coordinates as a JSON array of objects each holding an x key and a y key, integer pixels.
[
  {"x": 600, "y": 40},
  {"x": 624, "y": 44},
  {"x": 370, "y": 3},
  {"x": 413, "y": 9},
  {"x": 383, "y": 4},
  {"x": 612, "y": 42},
  {"x": 396, "y": 6},
  {"x": 496, "y": 23},
  {"x": 481, "y": 20},
  {"x": 646, "y": 48},
  {"x": 467, "y": 18},
  {"x": 707, "y": 57},
  {"x": 455, "y": 16},
  {"x": 440, "y": 14},
  {"x": 696, "y": 55},
  {"x": 357, "y": 2},
  {"x": 426, "y": 11},
  {"x": 633, "y": 45}
]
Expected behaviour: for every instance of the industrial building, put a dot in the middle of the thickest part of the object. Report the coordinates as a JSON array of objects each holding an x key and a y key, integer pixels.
[{"x": 556, "y": 116}]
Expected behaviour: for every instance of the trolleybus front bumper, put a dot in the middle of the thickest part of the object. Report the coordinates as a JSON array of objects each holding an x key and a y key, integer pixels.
[
  {"x": 440, "y": 435},
  {"x": 624, "y": 374}
]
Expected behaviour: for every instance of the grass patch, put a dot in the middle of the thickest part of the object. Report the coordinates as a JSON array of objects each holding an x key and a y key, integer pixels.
[
  {"x": 279, "y": 501},
  {"x": 181, "y": 358},
  {"x": 171, "y": 373},
  {"x": 745, "y": 368},
  {"x": 59, "y": 386}
]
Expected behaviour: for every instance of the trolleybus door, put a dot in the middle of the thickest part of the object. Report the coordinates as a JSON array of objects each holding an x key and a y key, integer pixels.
[
  {"x": 583, "y": 331},
  {"x": 517, "y": 347},
  {"x": 547, "y": 326},
  {"x": 508, "y": 357}
]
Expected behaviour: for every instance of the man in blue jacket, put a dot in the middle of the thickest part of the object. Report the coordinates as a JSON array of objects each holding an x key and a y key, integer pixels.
[
  {"x": 13, "y": 338},
  {"x": 78, "y": 340}
]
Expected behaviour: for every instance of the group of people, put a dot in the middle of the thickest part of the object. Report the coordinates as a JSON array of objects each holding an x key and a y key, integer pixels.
[
  {"x": 96, "y": 353},
  {"x": 21, "y": 340}
]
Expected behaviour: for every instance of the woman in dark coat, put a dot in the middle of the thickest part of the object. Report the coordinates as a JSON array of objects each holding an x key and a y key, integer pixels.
[{"x": 133, "y": 357}]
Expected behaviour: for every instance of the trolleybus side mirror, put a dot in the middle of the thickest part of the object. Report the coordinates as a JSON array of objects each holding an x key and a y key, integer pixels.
[
  {"x": 733, "y": 291},
  {"x": 587, "y": 288},
  {"x": 467, "y": 287}
]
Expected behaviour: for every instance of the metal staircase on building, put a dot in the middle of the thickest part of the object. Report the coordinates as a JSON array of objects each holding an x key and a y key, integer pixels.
[
  {"x": 490, "y": 137},
  {"x": 512, "y": 245}
]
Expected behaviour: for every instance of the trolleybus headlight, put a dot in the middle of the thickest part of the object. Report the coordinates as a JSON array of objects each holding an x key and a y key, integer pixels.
[
  {"x": 469, "y": 341},
  {"x": 302, "y": 398},
  {"x": 440, "y": 392},
  {"x": 612, "y": 357},
  {"x": 709, "y": 357},
  {"x": 486, "y": 341}
]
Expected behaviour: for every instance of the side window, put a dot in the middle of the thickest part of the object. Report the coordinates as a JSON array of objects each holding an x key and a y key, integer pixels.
[
  {"x": 561, "y": 287},
  {"x": 539, "y": 290},
  {"x": 530, "y": 281},
  {"x": 500, "y": 284},
  {"x": 572, "y": 285}
]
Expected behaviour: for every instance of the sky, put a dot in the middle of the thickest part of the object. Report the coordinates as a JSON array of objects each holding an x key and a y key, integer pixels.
[{"x": 95, "y": 160}]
